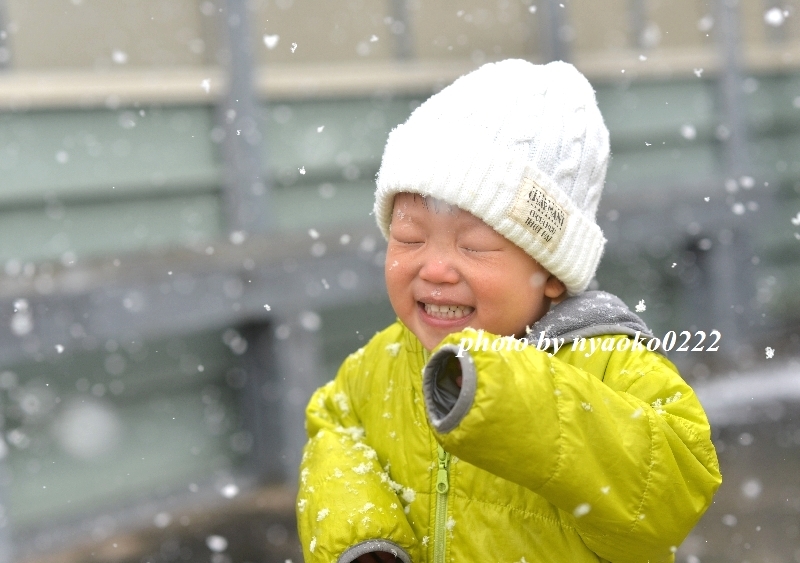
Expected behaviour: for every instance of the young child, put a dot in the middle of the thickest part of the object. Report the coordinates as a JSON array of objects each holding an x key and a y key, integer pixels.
[{"x": 440, "y": 440}]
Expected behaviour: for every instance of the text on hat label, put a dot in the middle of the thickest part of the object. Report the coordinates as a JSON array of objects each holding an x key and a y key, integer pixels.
[{"x": 539, "y": 213}]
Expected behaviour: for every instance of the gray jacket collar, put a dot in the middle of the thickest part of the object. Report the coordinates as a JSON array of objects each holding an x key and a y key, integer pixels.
[{"x": 592, "y": 313}]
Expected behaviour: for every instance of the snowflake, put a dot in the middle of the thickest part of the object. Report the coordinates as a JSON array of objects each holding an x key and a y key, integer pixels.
[
  {"x": 774, "y": 17},
  {"x": 640, "y": 306},
  {"x": 796, "y": 220},
  {"x": 587, "y": 407},
  {"x": 362, "y": 468},
  {"x": 341, "y": 402},
  {"x": 270, "y": 41},
  {"x": 582, "y": 509},
  {"x": 770, "y": 352},
  {"x": 409, "y": 494},
  {"x": 322, "y": 514}
]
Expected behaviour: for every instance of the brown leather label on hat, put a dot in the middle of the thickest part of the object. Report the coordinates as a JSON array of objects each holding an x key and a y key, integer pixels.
[{"x": 539, "y": 213}]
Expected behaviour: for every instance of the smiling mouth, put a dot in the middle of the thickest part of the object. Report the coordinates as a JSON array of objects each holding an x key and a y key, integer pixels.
[{"x": 447, "y": 311}]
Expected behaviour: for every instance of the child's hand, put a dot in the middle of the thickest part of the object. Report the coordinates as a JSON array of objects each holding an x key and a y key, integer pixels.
[{"x": 376, "y": 557}]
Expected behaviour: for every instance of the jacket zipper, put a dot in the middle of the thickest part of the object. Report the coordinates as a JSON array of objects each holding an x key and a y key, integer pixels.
[{"x": 442, "y": 487}]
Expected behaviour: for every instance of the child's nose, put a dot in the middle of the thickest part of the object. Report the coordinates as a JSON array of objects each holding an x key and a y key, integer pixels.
[{"x": 438, "y": 266}]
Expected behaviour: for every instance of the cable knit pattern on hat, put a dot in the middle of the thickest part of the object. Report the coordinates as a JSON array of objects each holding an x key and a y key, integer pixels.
[{"x": 523, "y": 147}]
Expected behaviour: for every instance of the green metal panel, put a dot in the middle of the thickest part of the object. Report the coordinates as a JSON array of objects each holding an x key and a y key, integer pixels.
[
  {"x": 117, "y": 225},
  {"x": 100, "y": 153},
  {"x": 98, "y": 428}
]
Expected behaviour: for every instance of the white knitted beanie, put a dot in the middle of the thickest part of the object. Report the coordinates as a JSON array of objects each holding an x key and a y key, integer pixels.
[{"x": 523, "y": 147}]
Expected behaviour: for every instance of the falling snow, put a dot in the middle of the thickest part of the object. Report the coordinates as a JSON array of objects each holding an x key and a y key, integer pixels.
[
  {"x": 752, "y": 488},
  {"x": 769, "y": 352},
  {"x": 162, "y": 520},
  {"x": 774, "y": 17},
  {"x": 119, "y": 57},
  {"x": 271, "y": 41},
  {"x": 230, "y": 490},
  {"x": 216, "y": 543},
  {"x": 705, "y": 23},
  {"x": 640, "y": 306}
]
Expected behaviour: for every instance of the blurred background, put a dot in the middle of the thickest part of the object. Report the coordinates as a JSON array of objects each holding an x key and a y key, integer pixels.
[{"x": 187, "y": 251}]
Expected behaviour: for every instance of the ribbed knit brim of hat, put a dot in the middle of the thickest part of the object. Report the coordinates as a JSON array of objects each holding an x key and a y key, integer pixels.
[{"x": 523, "y": 147}]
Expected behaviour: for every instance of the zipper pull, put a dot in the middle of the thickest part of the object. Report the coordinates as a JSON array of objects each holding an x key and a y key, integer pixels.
[{"x": 442, "y": 485}]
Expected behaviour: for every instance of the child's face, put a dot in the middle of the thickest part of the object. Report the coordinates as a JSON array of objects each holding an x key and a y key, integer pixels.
[{"x": 447, "y": 270}]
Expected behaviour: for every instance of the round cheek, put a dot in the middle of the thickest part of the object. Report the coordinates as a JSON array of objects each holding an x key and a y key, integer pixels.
[{"x": 397, "y": 283}]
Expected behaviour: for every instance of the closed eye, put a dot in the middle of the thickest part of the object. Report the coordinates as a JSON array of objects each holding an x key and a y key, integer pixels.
[{"x": 478, "y": 249}]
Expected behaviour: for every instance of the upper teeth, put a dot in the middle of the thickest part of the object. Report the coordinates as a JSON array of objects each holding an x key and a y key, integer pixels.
[{"x": 448, "y": 311}]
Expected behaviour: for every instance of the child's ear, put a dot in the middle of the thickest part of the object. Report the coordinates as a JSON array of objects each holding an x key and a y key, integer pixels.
[{"x": 554, "y": 289}]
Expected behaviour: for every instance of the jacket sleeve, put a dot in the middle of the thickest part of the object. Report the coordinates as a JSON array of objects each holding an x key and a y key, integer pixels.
[
  {"x": 346, "y": 505},
  {"x": 623, "y": 450}
]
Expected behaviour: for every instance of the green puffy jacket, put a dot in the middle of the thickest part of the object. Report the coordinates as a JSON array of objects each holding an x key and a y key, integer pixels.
[{"x": 573, "y": 457}]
